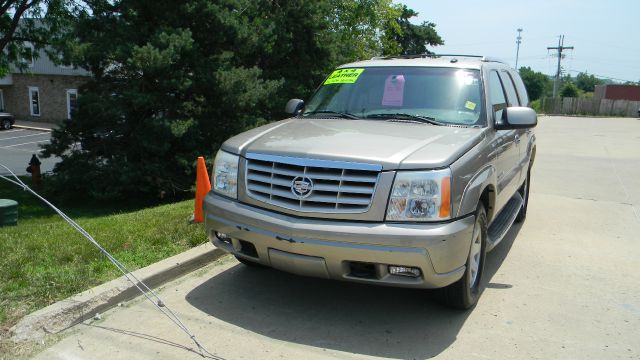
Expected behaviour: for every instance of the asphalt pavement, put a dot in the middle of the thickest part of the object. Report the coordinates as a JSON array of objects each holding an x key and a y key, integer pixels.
[
  {"x": 563, "y": 285},
  {"x": 17, "y": 145}
]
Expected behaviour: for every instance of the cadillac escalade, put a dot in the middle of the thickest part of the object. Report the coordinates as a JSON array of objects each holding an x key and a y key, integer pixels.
[{"x": 400, "y": 171}]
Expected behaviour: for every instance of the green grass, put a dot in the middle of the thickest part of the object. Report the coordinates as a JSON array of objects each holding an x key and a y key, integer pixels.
[{"x": 43, "y": 260}]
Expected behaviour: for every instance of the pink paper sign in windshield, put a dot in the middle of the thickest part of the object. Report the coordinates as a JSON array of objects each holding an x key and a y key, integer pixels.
[{"x": 393, "y": 91}]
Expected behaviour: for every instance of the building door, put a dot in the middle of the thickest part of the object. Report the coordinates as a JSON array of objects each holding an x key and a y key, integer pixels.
[
  {"x": 72, "y": 102},
  {"x": 34, "y": 101}
]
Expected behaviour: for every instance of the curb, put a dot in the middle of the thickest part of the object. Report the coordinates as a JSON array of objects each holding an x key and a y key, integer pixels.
[
  {"x": 32, "y": 128},
  {"x": 85, "y": 305}
]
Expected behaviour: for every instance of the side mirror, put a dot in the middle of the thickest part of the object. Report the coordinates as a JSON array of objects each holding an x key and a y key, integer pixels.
[
  {"x": 294, "y": 106},
  {"x": 517, "y": 117}
]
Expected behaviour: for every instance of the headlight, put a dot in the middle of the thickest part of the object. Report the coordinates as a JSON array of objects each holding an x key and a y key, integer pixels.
[
  {"x": 225, "y": 174},
  {"x": 420, "y": 196}
]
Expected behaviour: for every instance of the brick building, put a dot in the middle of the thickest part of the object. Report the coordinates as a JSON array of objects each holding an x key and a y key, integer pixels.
[
  {"x": 45, "y": 92},
  {"x": 617, "y": 92}
]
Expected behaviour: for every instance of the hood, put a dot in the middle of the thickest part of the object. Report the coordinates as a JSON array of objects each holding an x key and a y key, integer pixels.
[{"x": 394, "y": 145}]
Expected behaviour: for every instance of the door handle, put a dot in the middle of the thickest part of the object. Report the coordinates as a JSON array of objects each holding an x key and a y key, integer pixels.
[{"x": 516, "y": 139}]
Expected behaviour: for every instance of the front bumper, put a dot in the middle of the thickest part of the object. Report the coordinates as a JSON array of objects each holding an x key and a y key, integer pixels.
[{"x": 331, "y": 248}]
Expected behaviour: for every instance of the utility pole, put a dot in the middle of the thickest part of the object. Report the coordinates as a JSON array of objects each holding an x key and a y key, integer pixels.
[
  {"x": 518, "y": 41},
  {"x": 559, "y": 48}
]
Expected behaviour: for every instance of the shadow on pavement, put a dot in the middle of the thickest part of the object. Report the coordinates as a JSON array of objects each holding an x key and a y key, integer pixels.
[{"x": 354, "y": 318}]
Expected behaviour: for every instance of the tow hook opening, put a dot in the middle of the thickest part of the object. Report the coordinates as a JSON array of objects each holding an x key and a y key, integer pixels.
[
  {"x": 362, "y": 270},
  {"x": 248, "y": 248}
]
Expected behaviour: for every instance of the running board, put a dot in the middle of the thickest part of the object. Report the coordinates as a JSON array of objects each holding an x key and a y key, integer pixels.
[{"x": 502, "y": 223}]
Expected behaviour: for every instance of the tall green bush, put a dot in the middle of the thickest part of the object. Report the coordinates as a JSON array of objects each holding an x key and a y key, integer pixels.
[
  {"x": 534, "y": 81},
  {"x": 569, "y": 90}
]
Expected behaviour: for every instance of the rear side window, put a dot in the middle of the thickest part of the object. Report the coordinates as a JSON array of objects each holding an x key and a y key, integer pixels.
[
  {"x": 522, "y": 91},
  {"x": 510, "y": 88},
  {"x": 496, "y": 94}
]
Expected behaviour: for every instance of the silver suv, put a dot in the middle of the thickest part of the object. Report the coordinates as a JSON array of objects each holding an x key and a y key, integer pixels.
[{"x": 401, "y": 171}]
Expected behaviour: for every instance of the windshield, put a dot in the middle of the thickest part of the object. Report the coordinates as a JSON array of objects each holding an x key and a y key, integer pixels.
[{"x": 443, "y": 95}]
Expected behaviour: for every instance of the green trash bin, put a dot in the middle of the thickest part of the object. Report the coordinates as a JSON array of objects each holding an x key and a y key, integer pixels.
[{"x": 8, "y": 212}]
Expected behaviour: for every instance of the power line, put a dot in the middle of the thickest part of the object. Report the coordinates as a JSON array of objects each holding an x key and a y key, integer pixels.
[
  {"x": 618, "y": 64},
  {"x": 559, "y": 48},
  {"x": 603, "y": 43},
  {"x": 602, "y": 76}
]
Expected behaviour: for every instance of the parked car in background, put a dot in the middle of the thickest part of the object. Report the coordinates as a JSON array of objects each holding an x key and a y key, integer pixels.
[
  {"x": 6, "y": 121},
  {"x": 400, "y": 171}
]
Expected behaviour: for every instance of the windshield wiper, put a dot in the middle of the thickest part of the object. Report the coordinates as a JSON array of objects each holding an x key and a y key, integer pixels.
[
  {"x": 344, "y": 115},
  {"x": 420, "y": 118}
]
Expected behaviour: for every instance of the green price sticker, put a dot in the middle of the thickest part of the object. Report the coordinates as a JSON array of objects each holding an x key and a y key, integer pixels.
[
  {"x": 344, "y": 76},
  {"x": 470, "y": 105}
]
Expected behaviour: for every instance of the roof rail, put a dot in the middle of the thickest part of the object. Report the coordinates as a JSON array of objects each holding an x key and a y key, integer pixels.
[
  {"x": 458, "y": 55},
  {"x": 493, "y": 59},
  {"x": 412, "y": 56},
  {"x": 416, "y": 56}
]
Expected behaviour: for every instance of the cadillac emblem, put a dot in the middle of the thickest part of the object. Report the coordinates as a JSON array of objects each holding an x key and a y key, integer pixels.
[{"x": 301, "y": 187}]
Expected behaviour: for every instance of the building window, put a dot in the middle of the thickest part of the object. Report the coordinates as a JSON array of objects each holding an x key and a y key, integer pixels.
[
  {"x": 1, "y": 101},
  {"x": 72, "y": 102},
  {"x": 34, "y": 101}
]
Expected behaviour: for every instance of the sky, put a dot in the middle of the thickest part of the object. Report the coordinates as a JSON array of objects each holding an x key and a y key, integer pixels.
[{"x": 605, "y": 34}]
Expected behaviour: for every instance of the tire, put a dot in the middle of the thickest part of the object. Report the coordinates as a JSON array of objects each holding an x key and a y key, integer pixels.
[
  {"x": 6, "y": 124},
  {"x": 524, "y": 191},
  {"x": 249, "y": 262},
  {"x": 464, "y": 293}
]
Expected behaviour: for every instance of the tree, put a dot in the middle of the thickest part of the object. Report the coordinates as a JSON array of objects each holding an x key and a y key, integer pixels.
[
  {"x": 587, "y": 82},
  {"x": 535, "y": 82},
  {"x": 369, "y": 28},
  {"x": 569, "y": 90},
  {"x": 27, "y": 26},
  {"x": 173, "y": 79},
  {"x": 358, "y": 26},
  {"x": 164, "y": 90},
  {"x": 407, "y": 38}
]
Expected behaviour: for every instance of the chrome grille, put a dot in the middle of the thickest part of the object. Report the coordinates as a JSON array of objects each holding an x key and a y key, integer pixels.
[{"x": 338, "y": 187}]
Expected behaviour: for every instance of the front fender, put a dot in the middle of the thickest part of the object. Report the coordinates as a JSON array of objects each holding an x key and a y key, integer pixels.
[
  {"x": 531, "y": 148},
  {"x": 483, "y": 178}
]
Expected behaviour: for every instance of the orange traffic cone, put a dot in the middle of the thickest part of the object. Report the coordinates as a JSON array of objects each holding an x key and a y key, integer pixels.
[{"x": 203, "y": 186}]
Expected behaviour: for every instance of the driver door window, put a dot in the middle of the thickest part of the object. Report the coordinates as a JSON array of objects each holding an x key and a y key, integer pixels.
[{"x": 496, "y": 95}]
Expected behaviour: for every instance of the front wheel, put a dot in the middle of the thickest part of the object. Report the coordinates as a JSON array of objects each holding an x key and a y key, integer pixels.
[
  {"x": 6, "y": 124},
  {"x": 464, "y": 293}
]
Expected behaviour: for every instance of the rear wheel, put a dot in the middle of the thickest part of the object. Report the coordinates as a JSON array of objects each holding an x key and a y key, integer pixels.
[
  {"x": 464, "y": 293},
  {"x": 524, "y": 191},
  {"x": 6, "y": 124}
]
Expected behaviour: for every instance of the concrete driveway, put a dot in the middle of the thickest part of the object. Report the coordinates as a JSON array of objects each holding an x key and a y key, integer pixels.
[
  {"x": 18, "y": 145},
  {"x": 565, "y": 285}
]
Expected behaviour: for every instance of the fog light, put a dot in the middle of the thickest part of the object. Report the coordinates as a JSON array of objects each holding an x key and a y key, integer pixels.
[
  {"x": 223, "y": 237},
  {"x": 404, "y": 271}
]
